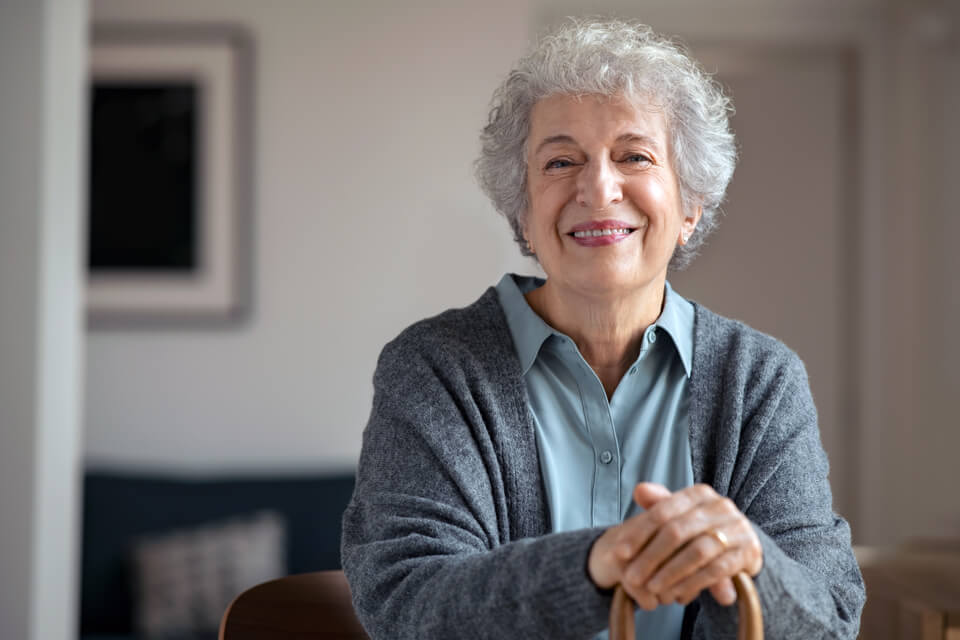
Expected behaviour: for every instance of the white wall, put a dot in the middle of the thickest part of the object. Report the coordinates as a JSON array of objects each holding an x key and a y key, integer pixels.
[
  {"x": 367, "y": 218},
  {"x": 366, "y": 127},
  {"x": 42, "y": 70}
]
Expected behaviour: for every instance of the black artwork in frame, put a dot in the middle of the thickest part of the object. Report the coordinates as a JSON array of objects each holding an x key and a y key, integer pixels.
[
  {"x": 143, "y": 212},
  {"x": 171, "y": 173}
]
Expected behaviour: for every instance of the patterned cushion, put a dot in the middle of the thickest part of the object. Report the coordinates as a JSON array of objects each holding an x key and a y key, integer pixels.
[{"x": 186, "y": 579}]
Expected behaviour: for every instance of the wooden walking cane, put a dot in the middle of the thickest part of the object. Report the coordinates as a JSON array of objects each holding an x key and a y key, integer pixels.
[{"x": 748, "y": 605}]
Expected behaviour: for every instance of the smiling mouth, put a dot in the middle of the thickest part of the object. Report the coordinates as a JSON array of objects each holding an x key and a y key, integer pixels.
[{"x": 596, "y": 233}]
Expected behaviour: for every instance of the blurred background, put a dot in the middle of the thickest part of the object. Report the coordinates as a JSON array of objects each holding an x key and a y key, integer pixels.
[{"x": 360, "y": 215}]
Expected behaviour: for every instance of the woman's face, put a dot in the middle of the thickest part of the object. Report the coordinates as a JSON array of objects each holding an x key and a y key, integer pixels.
[{"x": 605, "y": 211}]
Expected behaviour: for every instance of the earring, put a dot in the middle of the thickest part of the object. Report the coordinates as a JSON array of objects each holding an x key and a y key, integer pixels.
[
  {"x": 685, "y": 236},
  {"x": 530, "y": 247}
]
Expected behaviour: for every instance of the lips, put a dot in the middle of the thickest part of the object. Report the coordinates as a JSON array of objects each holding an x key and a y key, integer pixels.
[{"x": 598, "y": 233}]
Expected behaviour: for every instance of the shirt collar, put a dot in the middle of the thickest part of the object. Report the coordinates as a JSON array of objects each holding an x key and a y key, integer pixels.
[
  {"x": 676, "y": 319},
  {"x": 529, "y": 331}
]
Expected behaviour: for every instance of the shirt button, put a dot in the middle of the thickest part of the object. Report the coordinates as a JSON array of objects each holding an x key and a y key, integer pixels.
[
  {"x": 652, "y": 337},
  {"x": 633, "y": 371},
  {"x": 606, "y": 457}
]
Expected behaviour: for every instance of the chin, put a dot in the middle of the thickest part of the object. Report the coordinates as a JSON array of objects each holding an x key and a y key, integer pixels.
[{"x": 611, "y": 284}]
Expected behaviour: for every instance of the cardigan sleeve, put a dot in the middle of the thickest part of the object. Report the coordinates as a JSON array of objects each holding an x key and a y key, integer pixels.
[
  {"x": 425, "y": 543},
  {"x": 810, "y": 585}
]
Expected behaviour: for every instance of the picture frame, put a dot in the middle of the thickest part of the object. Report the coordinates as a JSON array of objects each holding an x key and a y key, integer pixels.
[{"x": 169, "y": 219}]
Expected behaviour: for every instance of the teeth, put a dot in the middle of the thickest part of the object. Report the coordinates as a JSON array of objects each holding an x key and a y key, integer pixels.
[{"x": 600, "y": 232}]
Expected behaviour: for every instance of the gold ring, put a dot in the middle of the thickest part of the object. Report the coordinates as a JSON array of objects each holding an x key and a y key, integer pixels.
[{"x": 720, "y": 537}]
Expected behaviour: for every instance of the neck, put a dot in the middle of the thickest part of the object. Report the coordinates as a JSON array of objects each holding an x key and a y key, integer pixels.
[{"x": 607, "y": 329}]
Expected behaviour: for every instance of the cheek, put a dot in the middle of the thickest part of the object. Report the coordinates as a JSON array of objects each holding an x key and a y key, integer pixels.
[
  {"x": 658, "y": 195},
  {"x": 546, "y": 211},
  {"x": 662, "y": 205}
]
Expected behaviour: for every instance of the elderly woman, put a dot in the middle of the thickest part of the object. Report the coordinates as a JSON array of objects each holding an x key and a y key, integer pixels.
[{"x": 558, "y": 437}]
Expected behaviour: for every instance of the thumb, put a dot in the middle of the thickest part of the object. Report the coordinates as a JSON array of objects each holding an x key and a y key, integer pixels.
[{"x": 647, "y": 494}]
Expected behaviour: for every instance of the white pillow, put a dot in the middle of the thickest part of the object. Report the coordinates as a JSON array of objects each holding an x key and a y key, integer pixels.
[{"x": 186, "y": 579}]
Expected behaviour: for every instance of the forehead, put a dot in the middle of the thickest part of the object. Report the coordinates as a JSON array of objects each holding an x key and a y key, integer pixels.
[{"x": 594, "y": 119}]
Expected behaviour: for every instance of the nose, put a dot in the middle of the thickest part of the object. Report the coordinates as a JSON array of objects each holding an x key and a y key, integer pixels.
[{"x": 599, "y": 185}]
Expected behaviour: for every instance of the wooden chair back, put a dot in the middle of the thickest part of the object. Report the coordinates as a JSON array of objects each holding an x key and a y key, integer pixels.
[{"x": 304, "y": 606}]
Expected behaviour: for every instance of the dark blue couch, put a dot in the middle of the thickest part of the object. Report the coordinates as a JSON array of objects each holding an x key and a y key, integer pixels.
[{"x": 120, "y": 507}]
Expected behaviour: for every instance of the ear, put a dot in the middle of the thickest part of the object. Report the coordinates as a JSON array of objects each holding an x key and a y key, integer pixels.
[{"x": 688, "y": 225}]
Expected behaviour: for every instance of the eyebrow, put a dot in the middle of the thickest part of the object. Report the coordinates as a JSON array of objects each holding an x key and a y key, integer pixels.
[
  {"x": 563, "y": 138},
  {"x": 639, "y": 137}
]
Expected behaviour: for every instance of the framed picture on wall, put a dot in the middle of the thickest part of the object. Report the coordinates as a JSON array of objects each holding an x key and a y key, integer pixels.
[{"x": 169, "y": 175}]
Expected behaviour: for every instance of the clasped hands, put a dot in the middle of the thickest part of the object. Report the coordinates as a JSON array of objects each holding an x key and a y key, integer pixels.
[{"x": 684, "y": 542}]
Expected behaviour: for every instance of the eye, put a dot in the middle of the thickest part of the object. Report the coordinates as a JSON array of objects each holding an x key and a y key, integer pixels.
[
  {"x": 637, "y": 158},
  {"x": 559, "y": 163}
]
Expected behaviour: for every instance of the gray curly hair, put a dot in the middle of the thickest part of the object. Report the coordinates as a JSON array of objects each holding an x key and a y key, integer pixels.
[{"x": 613, "y": 57}]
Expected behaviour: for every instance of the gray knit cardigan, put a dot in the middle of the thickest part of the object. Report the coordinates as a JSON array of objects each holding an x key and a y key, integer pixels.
[{"x": 447, "y": 533}]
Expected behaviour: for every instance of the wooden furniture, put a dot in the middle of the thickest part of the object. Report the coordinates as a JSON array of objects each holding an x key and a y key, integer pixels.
[
  {"x": 308, "y": 606},
  {"x": 913, "y": 592}
]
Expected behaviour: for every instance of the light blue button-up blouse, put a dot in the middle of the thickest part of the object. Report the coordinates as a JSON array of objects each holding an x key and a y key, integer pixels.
[{"x": 594, "y": 451}]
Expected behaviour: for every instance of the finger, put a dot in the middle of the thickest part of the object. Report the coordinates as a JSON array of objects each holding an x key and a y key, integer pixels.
[
  {"x": 724, "y": 592},
  {"x": 611, "y": 553},
  {"x": 635, "y": 533},
  {"x": 710, "y": 531},
  {"x": 647, "y": 494},
  {"x": 703, "y": 511},
  {"x": 715, "y": 576},
  {"x": 695, "y": 555},
  {"x": 604, "y": 565},
  {"x": 644, "y": 599}
]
